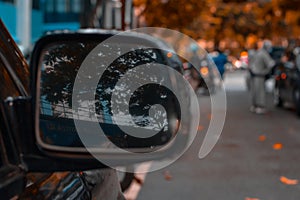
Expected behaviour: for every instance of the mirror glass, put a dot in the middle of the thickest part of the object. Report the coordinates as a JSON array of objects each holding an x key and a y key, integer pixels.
[{"x": 151, "y": 107}]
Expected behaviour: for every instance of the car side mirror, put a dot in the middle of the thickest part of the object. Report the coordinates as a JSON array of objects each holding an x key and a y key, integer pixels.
[{"x": 82, "y": 113}]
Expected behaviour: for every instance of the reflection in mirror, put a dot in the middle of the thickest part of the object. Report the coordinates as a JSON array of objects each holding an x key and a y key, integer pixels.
[
  {"x": 59, "y": 66},
  {"x": 58, "y": 71}
]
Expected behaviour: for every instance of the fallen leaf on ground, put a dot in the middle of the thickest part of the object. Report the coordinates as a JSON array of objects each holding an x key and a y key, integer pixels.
[
  {"x": 200, "y": 128},
  {"x": 262, "y": 138},
  {"x": 209, "y": 116},
  {"x": 167, "y": 175},
  {"x": 288, "y": 181},
  {"x": 277, "y": 146},
  {"x": 249, "y": 198}
]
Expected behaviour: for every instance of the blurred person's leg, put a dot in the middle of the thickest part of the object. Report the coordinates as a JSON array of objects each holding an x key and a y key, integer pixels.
[
  {"x": 258, "y": 95},
  {"x": 261, "y": 92},
  {"x": 253, "y": 94}
]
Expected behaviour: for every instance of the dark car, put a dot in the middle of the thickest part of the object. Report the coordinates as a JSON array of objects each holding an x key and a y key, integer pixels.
[
  {"x": 15, "y": 182},
  {"x": 276, "y": 53},
  {"x": 41, "y": 153},
  {"x": 287, "y": 85}
]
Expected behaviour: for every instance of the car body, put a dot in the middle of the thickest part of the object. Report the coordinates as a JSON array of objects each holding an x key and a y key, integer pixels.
[
  {"x": 287, "y": 85},
  {"x": 277, "y": 53},
  {"x": 61, "y": 169},
  {"x": 14, "y": 181}
]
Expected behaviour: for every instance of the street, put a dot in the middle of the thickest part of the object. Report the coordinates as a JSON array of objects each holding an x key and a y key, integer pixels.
[{"x": 256, "y": 157}]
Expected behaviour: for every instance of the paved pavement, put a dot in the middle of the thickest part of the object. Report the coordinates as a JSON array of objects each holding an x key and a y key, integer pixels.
[{"x": 256, "y": 158}]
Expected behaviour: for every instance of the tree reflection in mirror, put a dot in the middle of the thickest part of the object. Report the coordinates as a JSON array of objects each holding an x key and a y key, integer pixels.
[{"x": 59, "y": 66}]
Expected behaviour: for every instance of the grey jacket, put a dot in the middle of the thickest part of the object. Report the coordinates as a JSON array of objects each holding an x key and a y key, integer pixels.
[{"x": 262, "y": 63}]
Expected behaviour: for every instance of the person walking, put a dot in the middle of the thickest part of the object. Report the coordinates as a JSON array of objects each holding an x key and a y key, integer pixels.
[
  {"x": 260, "y": 67},
  {"x": 220, "y": 59},
  {"x": 251, "y": 55}
]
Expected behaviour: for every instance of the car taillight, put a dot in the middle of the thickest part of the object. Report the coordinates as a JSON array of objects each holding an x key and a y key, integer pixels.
[
  {"x": 283, "y": 76},
  {"x": 169, "y": 54}
]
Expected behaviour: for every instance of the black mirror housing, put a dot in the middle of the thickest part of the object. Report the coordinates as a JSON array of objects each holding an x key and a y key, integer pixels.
[{"x": 56, "y": 139}]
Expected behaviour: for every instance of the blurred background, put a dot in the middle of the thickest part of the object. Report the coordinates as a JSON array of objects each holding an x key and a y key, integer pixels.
[{"x": 232, "y": 24}]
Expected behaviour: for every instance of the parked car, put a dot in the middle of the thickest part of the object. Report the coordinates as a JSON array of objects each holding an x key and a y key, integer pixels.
[
  {"x": 287, "y": 85},
  {"x": 42, "y": 155},
  {"x": 277, "y": 53}
]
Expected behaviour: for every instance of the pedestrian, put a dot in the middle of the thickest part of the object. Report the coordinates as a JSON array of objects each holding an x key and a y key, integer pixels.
[
  {"x": 220, "y": 59},
  {"x": 260, "y": 68},
  {"x": 251, "y": 55},
  {"x": 296, "y": 52}
]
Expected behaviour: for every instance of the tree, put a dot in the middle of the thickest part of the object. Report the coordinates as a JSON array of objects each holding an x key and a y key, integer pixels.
[{"x": 230, "y": 20}]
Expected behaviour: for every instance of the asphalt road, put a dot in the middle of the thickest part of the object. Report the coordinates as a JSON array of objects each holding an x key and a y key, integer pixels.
[{"x": 256, "y": 158}]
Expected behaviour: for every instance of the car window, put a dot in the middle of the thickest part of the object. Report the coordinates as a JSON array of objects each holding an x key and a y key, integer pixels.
[
  {"x": 7, "y": 153},
  {"x": 4, "y": 152},
  {"x": 12, "y": 55},
  {"x": 7, "y": 86},
  {"x": 277, "y": 53},
  {"x": 1, "y": 150}
]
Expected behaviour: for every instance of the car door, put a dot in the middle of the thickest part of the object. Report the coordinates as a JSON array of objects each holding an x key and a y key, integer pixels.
[
  {"x": 12, "y": 178},
  {"x": 15, "y": 182},
  {"x": 284, "y": 82}
]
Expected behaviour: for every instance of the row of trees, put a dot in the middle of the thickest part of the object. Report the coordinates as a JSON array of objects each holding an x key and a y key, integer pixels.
[{"x": 235, "y": 22}]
